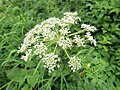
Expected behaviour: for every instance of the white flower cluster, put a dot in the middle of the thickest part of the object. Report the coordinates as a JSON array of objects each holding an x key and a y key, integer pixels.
[
  {"x": 27, "y": 55},
  {"x": 64, "y": 31},
  {"x": 47, "y": 27},
  {"x": 70, "y": 18},
  {"x": 90, "y": 38},
  {"x": 50, "y": 61},
  {"x": 74, "y": 63},
  {"x": 57, "y": 31},
  {"x": 79, "y": 41},
  {"x": 88, "y": 27},
  {"x": 40, "y": 49},
  {"x": 64, "y": 42}
]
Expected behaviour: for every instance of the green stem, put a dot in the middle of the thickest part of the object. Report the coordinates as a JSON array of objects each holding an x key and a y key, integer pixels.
[
  {"x": 75, "y": 33},
  {"x": 9, "y": 85},
  {"x": 50, "y": 44},
  {"x": 53, "y": 41},
  {"x": 67, "y": 53},
  {"x": 37, "y": 67},
  {"x": 65, "y": 82},
  {"x": 55, "y": 48},
  {"x": 3, "y": 86},
  {"x": 61, "y": 85},
  {"x": 47, "y": 83}
]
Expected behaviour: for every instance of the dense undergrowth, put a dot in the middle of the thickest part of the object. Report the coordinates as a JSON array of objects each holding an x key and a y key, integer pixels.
[{"x": 101, "y": 69}]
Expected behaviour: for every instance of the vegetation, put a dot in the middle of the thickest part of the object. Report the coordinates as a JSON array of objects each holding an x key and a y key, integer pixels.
[{"x": 100, "y": 64}]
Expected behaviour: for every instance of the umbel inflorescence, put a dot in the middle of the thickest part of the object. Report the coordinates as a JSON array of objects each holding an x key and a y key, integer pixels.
[{"x": 55, "y": 32}]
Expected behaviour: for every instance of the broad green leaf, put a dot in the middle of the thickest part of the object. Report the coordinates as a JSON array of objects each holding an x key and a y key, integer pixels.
[
  {"x": 26, "y": 87},
  {"x": 32, "y": 80}
]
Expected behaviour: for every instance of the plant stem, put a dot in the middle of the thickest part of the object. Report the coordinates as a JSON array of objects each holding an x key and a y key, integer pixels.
[
  {"x": 67, "y": 53},
  {"x": 9, "y": 85},
  {"x": 37, "y": 67},
  {"x": 75, "y": 33},
  {"x": 55, "y": 48},
  {"x": 3, "y": 86}
]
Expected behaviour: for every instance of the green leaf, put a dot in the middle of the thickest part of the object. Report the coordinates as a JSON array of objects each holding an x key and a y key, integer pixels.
[
  {"x": 116, "y": 10},
  {"x": 32, "y": 80},
  {"x": 16, "y": 74},
  {"x": 106, "y": 40},
  {"x": 30, "y": 64},
  {"x": 26, "y": 87}
]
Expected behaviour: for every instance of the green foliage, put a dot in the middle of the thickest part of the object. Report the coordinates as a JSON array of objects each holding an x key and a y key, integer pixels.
[{"x": 100, "y": 64}]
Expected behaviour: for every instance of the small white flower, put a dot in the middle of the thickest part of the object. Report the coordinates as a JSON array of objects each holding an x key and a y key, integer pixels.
[
  {"x": 90, "y": 38},
  {"x": 74, "y": 63},
  {"x": 37, "y": 29},
  {"x": 27, "y": 55},
  {"x": 40, "y": 49},
  {"x": 88, "y": 27},
  {"x": 50, "y": 61},
  {"x": 94, "y": 42},
  {"x": 28, "y": 41},
  {"x": 69, "y": 19},
  {"x": 64, "y": 31},
  {"x": 64, "y": 42},
  {"x": 70, "y": 13},
  {"x": 79, "y": 41},
  {"x": 48, "y": 34},
  {"x": 51, "y": 22},
  {"x": 58, "y": 66},
  {"x": 22, "y": 48}
]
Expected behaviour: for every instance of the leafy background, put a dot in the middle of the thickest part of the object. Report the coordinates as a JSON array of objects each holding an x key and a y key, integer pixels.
[{"x": 17, "y": 17}]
